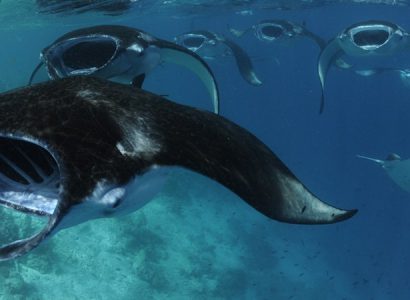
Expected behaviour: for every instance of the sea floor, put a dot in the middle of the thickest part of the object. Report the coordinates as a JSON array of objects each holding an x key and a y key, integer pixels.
[{"x": 196, "y": 240}]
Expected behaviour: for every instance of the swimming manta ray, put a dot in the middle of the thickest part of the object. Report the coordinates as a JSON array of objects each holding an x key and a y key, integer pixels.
[
  {"x": 278, "y": 30},
  {"x": 119, "y": 53},
  {"x": 369, "y": 38},
  {"x": 210, "y": 45},
  {"x": 396, "y": 168},
  {"x": 82, "y": 147}
]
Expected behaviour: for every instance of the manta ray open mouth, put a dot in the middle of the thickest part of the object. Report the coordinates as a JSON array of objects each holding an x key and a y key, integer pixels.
[
  {"x": 83, "y": 55},
  {"x": 29, "y": 177},
  {"x": 369, "y": 37},
  {"x": 194, "y": 41},
  {"x": 271, "y": 31}
]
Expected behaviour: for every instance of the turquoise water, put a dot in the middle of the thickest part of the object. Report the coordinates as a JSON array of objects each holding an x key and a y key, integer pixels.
[{"x": 197, "y": 240}]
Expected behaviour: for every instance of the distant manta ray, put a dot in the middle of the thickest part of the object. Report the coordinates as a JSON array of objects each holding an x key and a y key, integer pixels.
[
  {"x": 396, "y": 168},
  {"x": 368, "y": 38},
  {"x": 279, "y": 30},
  {"x": 119, "y": 53},
  {"x": 81, "y": 148},
  {"x": 404, "y": 74},
  {"x": 208, "y": 44}
]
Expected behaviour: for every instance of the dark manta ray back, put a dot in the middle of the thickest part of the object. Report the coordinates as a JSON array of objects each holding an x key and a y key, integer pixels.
[{"x": 88, "y": 143}]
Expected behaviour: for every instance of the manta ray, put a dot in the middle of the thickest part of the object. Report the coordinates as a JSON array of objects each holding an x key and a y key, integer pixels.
[
  {"x": 397, "y": 169},
  {"x": 368, "y": 38},
  {"x": 209, "y": 45},
  {"x": 278, "y": 30},
  {"x": 82, "y": 147},
  {"x": 119, "y": 53}
]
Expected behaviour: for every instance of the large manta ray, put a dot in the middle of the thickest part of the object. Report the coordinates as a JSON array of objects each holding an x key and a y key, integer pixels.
[
  {"x": 82, "y": 147},
  {"x": 119, "y": 53},
  {"x": 368, "y": 38}
]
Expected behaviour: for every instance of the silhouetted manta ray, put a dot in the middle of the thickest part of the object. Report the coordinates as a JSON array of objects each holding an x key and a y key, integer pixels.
[
  {"x": 208, "y": 45},
  {"x": 396, "y": 168},
  {"x": 119, "y": 53},
  {"x": 80, "y": 148},
  {"x": 369, "y": 38}
]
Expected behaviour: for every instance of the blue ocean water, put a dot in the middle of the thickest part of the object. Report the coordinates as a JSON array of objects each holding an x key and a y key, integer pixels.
[{"x": 197, "y": 240}]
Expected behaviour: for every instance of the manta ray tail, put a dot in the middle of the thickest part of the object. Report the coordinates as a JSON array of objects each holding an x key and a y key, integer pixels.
[
  {"x": 35, "y": 72},
  {"x": 379, "y": 161}
]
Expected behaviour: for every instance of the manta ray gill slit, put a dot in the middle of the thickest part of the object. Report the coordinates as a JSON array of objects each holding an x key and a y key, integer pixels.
[{"x": 29, "y": 184}]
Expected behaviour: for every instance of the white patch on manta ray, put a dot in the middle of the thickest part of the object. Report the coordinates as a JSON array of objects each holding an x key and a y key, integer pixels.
[
  {"x": 89, "y": 95},
  {"x": 136, "y": 143},
  {"x": 146, "y": 37},
  {"x": 136, "y": 47}
]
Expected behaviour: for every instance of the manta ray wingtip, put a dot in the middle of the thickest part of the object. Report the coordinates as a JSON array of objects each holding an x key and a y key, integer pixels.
[{"x": 346, "y": 215}]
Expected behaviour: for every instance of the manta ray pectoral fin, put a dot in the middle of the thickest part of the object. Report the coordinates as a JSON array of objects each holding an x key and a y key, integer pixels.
[
  {"x": 138, "y": 81},
  {"x": 181, "y": 56},
  {"x": 302, "y": 207},
  {"x": 329, "y": 54},
  {"x": 243, "y": 62},
  {"x": 238, "y": 160},
  {"x": 35, "y": 72}
]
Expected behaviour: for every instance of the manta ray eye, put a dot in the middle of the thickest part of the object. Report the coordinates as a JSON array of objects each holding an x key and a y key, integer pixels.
[
  {"x": 113, "y": 197},
  {"x": 117, "y": 202},
  {"x": 89, "y": 54},
  {"x": 371, "y": 37},
  {"x": 272, "y": 31}
]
